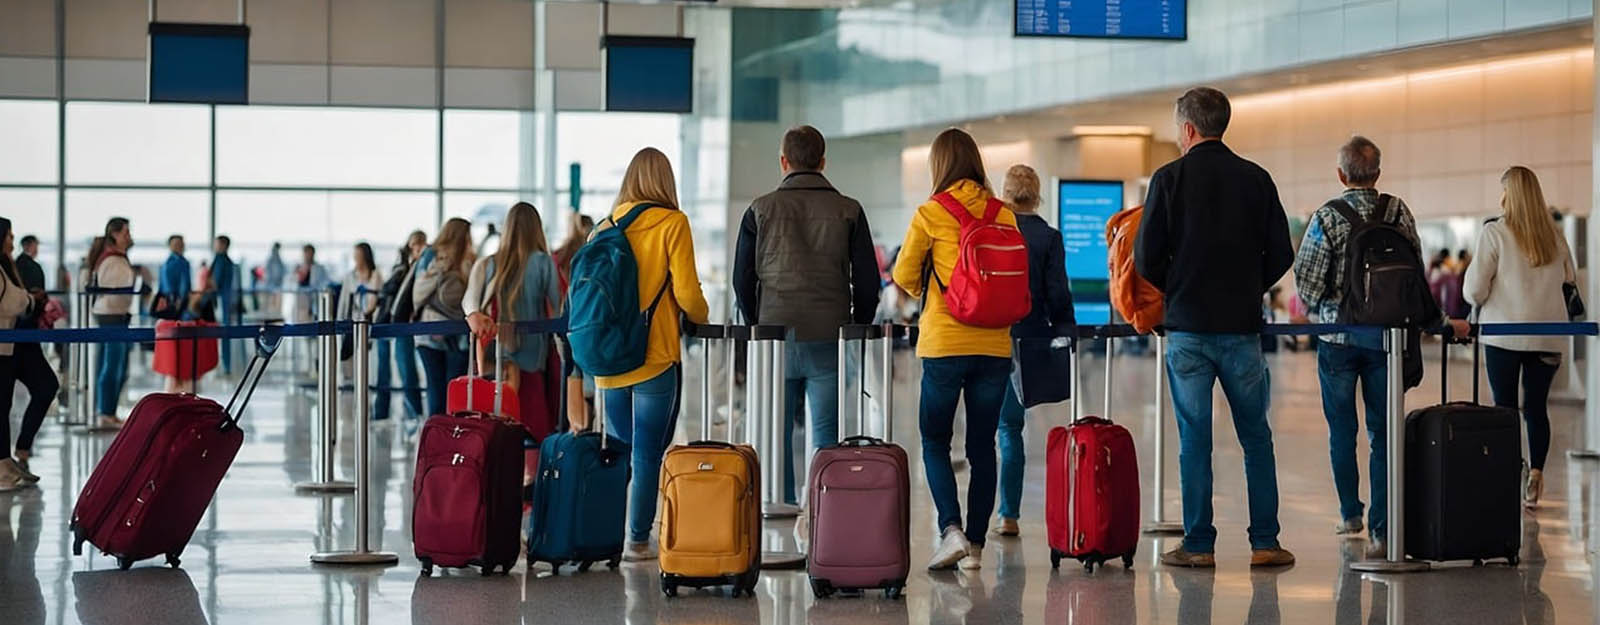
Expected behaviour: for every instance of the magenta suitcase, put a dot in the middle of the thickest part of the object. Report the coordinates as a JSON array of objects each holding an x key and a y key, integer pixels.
[
  {"x": 148, "y": 492},
  {"x": 859, "y": 503}
]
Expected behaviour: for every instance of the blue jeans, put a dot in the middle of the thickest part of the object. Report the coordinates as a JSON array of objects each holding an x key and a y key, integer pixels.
[
  {"x": 112, "y": 368},
  {"x": 644, "y": 416},
  {"x": 1013, "y": 461},
  {"x": 405, "y": 363},
  {"x": 380, "y": 402},
  {"x": 811, "y": 369},
  {"x": 440, "y": 366},
  {"x": 1195, "y": 363},
  {"x": 1339, "y": 369},
  {"x": 944, "y": 380}
]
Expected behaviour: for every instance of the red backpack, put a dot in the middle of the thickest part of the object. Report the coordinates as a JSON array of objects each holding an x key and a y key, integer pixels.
[{"x": 989, "y": 287}]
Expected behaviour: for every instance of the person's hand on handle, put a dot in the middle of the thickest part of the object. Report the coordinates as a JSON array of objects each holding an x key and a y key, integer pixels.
[
  {"x": 1461, "y": 330},
  {"x": 482, "y": 326}
]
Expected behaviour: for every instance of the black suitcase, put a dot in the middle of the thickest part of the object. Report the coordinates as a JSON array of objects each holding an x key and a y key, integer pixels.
[{"x": 1463, "y": 478}]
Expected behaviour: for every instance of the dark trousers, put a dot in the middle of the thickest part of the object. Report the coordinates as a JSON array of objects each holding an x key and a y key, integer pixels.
[
  {"x": 27, "y": 365},
  {"x": 439, "y": 366},
  {"x": 1536, "y": 371},
  {"x": 982, "y": 380}
]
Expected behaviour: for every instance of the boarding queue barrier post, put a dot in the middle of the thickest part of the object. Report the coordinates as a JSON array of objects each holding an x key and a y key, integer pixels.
[
  {"x": 1590, "y": 449},
  {"x": 325, "y": 436},
  {"x": 362, "y": 554},
  {"x": 1158, "y": 493},
  {"x": 1394, "y": 344},
  {"x": 765, "y": 418}
]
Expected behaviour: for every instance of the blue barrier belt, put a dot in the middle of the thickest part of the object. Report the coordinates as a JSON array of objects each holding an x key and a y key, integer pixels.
[{"x": 1580, "y": 328}]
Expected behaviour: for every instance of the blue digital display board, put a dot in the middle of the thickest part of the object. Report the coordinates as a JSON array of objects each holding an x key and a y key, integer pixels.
[
  {"x": 199, "y": 63},
  {"x": 650, "y": 74},
  {"x": 1127, "y": 19},
  {"x": 1083, "y": 207}
]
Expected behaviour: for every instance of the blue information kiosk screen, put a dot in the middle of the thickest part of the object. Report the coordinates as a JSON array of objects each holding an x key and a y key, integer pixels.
[
  {"x": 1083, "y": 208},
  {"x": 1132, "y": 19}
]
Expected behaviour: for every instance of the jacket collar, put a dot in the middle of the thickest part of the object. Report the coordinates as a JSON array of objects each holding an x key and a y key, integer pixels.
[
  {"x": 1210, "y": 145},
  {"x": 806, "y": 180}
]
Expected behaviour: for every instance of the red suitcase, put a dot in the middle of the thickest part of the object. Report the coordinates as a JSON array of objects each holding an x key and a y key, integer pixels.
[
  {"x": 148, "y": 492},
  {"x": 467, "y": 493},
  {"x": 186, "y": 359},
  {"x": 1091, "y": 503},
  {"x": 859, "y": 502}
]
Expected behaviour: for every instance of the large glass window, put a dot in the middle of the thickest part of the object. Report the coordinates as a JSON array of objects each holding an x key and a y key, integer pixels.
[
  {"x": 33, "y": 211},
  {"x": 489, "y": 149},
  {"x": 332, "y": 221},
  {"x": 604, "y": 143},
  {"x": 153, "y": 215},
  {"x": 326, "y": 147},
  {"x": 28, "y": 151},
  {"x": 133, "y": 143}
]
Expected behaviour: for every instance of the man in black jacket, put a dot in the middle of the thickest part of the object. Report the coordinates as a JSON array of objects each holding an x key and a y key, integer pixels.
[
  {"x": 1214, "y": 239},
  {"x": 805, "y": 260}
]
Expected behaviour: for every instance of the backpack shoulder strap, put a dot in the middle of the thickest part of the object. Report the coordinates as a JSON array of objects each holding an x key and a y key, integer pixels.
[
  {"x": 634, "y": 213},
  {"x": 1384, "y": 206},
  {"x": 1348, "y": 212},
  {"x": 954, "y": 207},
  {"x": 991, "y": 209}
]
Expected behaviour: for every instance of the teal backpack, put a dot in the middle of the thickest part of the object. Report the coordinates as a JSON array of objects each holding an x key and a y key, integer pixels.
[{"x": 608, "y": 333}]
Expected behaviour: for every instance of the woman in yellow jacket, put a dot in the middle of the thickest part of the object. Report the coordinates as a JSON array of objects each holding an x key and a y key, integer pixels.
[
  {"x": 956, "y": 358},
  {"x": 641, "y": 406}
]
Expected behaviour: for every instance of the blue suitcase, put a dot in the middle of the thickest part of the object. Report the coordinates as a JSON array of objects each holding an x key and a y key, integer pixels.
[{"x": 580, "y": 499}]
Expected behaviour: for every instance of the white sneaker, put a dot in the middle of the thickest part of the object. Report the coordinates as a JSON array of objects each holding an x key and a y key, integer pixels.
[
  {"x": 953, "y": 546},
  {"x": 973, "y": 560},
  {"x": 639, "y": 552}
]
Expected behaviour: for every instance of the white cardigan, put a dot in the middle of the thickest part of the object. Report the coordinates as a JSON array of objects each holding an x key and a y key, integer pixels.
[
  {"x": 14, "y": 302},
  {"x": 1506, "y": 288}
]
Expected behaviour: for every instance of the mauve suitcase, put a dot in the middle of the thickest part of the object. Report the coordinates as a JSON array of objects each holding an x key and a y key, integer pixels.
[
  {"x": 148, "y": 492},
  {"x": 1463, "y": 479},
  {"x": 467, "y": 493},
  {"x": 580, "y": 500},
  {"x": 859, "y": 501},
  {"x": 1091, "y": 503}
]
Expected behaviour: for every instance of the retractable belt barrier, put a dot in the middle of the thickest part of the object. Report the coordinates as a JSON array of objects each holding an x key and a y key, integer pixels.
[{"x": 247, "y": 331}]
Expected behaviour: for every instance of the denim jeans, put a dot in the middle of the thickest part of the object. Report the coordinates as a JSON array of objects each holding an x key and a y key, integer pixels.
[
  {"x": 1537, "y": 371},
  {"x": 811, "y": 378},
  {"x": 380, "y": 402},
  {"x": 405, "y": 363},
  {"x": 1339, "y": 369},
  {"x": 440, "y": 366},
  {"x": 1013, "y": 462},
  {"x": 645, "y": 416},
  {"x": 944, "y": 380},
  {"x": 1195, "y": 363},
  {"x": 112, "y": 368}
]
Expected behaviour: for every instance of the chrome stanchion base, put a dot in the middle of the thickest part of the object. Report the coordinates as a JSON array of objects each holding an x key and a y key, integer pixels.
[
  {"x": 1163, "y": 527},
  {"x": 780, "y": 560},
  {"x": 357, "y": 558},
  {"x": 779, "y": 511},
  {"x": 1584, "y": 454},
  {"x": 335, "y": 486},
  {"x": 1386, "y": 566}
]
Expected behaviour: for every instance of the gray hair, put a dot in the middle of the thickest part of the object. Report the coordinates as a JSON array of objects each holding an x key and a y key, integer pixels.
[
  {"x": 1207, "y": 109},
  {"x": 1359, "y": 160}
]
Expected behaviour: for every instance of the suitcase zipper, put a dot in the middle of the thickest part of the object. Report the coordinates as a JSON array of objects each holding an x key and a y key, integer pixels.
[{"x": 1072, "y": 491}]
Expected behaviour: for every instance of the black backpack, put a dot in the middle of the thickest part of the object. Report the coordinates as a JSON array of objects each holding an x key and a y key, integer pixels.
[{"x": 1384, "y": 281}]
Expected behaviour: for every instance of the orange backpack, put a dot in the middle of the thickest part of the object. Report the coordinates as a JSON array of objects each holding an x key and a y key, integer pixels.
[{"x": 1135, "y": 299}]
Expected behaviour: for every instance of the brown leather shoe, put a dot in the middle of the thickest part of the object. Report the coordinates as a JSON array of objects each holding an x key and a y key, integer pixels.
[
  {"x": 1271, "y": 557},
  {"x": 1179, "y": 557}
]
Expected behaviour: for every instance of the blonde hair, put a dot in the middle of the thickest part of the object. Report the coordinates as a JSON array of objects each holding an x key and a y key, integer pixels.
[
  {"x": 523, "y": 237},
  {"x": 1021, "y": 190},
  {"x": 954, "y": 157},
  {"x": 453, "y": 246},
  {"x": 649, "y": 179},
  {"x": 1528, "y": 218}
]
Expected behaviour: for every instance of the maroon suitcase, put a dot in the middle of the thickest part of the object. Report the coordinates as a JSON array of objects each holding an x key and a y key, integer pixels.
[
  {"x": 859, "y": 504},
  {"x": 148, "y": 492},
  {"x": 467, "y": 493}
]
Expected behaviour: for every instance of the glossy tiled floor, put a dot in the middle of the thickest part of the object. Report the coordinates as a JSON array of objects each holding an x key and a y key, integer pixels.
[{"x": 248, "y": 561}]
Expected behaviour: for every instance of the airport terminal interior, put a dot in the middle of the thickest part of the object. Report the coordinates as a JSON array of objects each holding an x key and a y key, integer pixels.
[{"x": 301, "y": 129}]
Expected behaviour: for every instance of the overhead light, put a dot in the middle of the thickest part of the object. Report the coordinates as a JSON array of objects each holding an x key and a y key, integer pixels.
[{"x": 1101, "y": 131}]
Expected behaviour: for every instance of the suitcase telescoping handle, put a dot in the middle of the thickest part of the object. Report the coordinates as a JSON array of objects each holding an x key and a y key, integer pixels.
[
  {"x": 474, "y": 371},
  {"x": 267, "y": 342},
  {"x": 1474, "y": 338},
  {"x": 709, "y": 335},
  {"x": 888, "y": 333}
]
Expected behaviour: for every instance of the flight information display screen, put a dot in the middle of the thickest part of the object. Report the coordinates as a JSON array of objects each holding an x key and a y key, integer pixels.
[
  {"x": 1129, "y": 19},
  {"x": 1083, "y": 207}
]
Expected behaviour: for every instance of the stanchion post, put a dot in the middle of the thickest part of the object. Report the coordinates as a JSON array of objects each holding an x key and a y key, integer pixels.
[
  {"x": 1158, "y": 495},
  {"x": 324, "y": 459},
  {"x": 1111, "y": 355},
  {"x": 1396, "y": 445},
  {"x": 765, "y": 419},
  {"x": 363, "y": 553},
  {"x": 887, "y": 400},
  {"x": 91, "y": 353},
  {"x": 1591, "y": 417}
]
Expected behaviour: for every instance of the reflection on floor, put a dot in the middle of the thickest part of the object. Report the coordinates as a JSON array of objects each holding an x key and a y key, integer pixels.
[{"x": 248, "y": 560}]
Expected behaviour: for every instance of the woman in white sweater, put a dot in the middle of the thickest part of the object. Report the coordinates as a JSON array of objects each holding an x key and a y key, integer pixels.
[
  {"x": 112, "y": 271},
  {"x": 27, "y": 366},
  {"x": 1517, "y": 276}
]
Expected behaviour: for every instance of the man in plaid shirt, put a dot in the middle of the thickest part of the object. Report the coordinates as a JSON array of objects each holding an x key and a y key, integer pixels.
[{"x": 1343, "y": 360}]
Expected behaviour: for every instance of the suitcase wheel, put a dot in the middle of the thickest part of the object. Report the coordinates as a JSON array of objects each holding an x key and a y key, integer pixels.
[
  {"x": 583, "y": 567},
  {"x": 1513, "y": 560},
  {"x": 427, "y": 567},
  {"x": 1088, "y": 566},
  {"x": 669, "y": 589},
  {"x": 124, "y": 563},
  {"x": 1055, "y": 559},
  {"x": 1127, "y": 561},
  {"x": 894, "y": 592},
  {"x": 821, "y": 588},
  {"x": 173, "y": 561},
  {"x": 615, "y": 562},
  {"x": 486, "y": 570}
]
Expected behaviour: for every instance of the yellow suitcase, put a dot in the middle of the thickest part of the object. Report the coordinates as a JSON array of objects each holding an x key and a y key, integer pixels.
[{"x": 711, "y": 521}]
